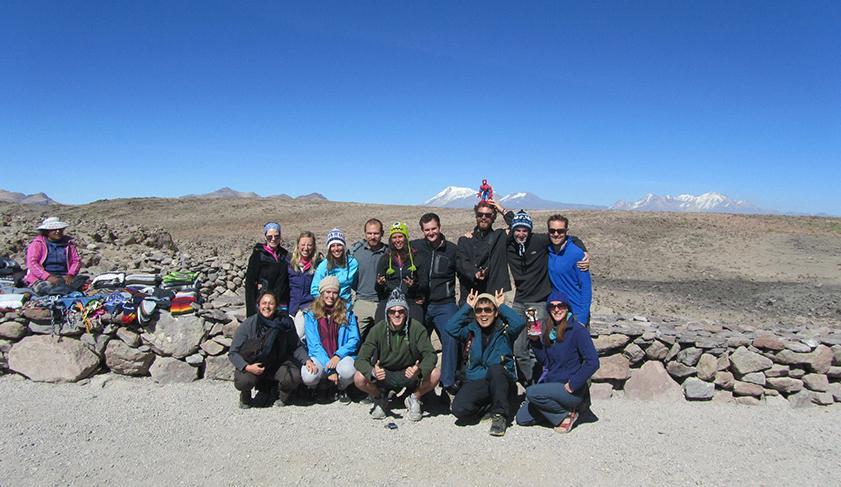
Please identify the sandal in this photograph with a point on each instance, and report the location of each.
(567, 423)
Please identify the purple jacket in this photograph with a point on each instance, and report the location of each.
(299, 290)
(36, 254)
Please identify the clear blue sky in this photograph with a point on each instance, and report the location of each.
(585, 102)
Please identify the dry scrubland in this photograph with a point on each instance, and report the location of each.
(733, 268)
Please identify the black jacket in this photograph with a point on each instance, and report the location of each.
(248, 342)
(272, 274)
(483, 249)
(436, 270)
(395, 280)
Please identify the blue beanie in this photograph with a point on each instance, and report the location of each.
(271, 226)
(522, 219)
(557, 295)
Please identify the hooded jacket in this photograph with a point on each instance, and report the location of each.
(483, 249)
(570, 280)
(346, 275)
(436, 270)
(397, 350)
(271, 272)
(348, 338)
(499, 350)
(573, 360)
(36, 255)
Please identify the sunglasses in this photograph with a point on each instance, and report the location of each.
(481, 214)
(272, 237)
(484, 309)
(397, 311)
(557, 231)
(555, 306)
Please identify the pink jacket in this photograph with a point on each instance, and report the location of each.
(36, 254)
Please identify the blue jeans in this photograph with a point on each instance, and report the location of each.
(548, 400)
(438, 315)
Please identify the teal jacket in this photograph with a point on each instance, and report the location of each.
(500, 349)
(348, 338)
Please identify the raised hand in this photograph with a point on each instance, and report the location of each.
(412, 371)
(379, 372)
(471, 298)
(584, 264)
(500, 297)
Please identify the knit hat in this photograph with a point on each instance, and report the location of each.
(335, 236)
(522, 219)
(271, 226)
(490, 297)
(53, 223)
(329, 282)
(555, 296)
(401, 228)
(396, 299)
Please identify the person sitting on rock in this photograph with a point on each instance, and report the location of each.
(305, 258)
(52, 261)
(267, 355)
(267, 269)
(490, 374)
(397, 354)
(569, 358)
(332, 336)
(338, 263)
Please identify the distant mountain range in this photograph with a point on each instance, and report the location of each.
(460, 197)
(705, 203)
(228, 193)
(26, 199)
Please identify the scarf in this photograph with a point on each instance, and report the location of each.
(271, 251)
(328, 332)
(268, 329)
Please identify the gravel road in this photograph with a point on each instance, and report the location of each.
(116, 430)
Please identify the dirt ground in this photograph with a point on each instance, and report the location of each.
(732, 268)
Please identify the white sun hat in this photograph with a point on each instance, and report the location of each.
(53, 223)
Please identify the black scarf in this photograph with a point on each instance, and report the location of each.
(268, 329)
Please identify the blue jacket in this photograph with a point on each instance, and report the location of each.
(345, 275)
(507, 328)
(348, 339)
(572, 360)
(570, 280)
(299, 290)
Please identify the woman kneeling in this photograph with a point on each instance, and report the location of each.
(267, 355)
(332, 339)
(569, 359)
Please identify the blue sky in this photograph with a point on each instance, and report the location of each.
(584, 102)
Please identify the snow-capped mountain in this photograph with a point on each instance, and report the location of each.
(460, 197)
(707, 202)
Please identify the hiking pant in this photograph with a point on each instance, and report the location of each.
(365, 311)
(497, 390)
(548, 400)
(523, 355)
(396, 380)
(437, 316)
(345, 369)
(287, 376)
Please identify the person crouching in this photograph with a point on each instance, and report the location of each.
(397, 354)
(332, 339)
(267, 355)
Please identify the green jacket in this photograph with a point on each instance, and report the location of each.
(397, 350)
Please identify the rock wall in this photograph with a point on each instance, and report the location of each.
(640, 359)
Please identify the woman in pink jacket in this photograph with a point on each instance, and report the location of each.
(52, 261)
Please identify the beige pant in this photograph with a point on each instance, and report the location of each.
(364, 311)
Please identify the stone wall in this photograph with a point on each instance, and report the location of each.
(640, 359)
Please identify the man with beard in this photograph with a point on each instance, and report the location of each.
(481, 259)
(367, 253)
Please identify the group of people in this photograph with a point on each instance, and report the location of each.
(363, 315)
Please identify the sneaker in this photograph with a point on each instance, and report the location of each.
(261, 399)
(343, 397)
(379, 410)
(367, 401)
(498, 425)
(413, 408)
(245, 399)
(568, 422)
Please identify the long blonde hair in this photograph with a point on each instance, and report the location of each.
(339, 314)
(295, 262)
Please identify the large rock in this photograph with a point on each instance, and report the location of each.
(816, 382)
(822, 398)
(777, 370)
(757, 378)
(835, 390)
(679, 370)
(45, 358)
(212, 347)
(220, 368)
(724, 379)
(179, 336)
(801, 399)
(707, 367)
(697, 389)
(614, 367)
(634, 353)
(818, 360)
(601, 391)
(689, 356)
(607, 343)
(743, 361)
(786, 385)
(836, 354)
(651, 381)
(130, 338)
(747, 389)
(125, 360)
(167, 370)
(768, 342)
(656, 351)
(12, 330)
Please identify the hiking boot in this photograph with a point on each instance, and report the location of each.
(413, 408)
(367, 400)
(261, 399)
(379, 410)
(244, 399)
(498, 425)
(342, 397)
(281, 399)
